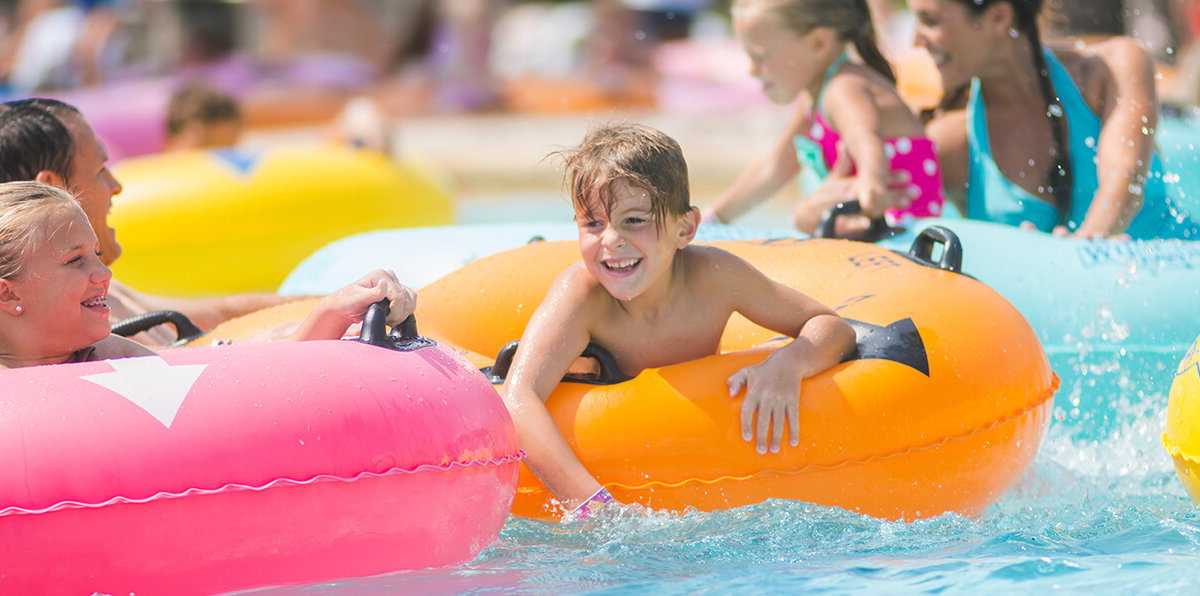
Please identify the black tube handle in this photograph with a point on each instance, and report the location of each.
(374, 325)
(185, 329)
(827, 227)
(952, 252)
(375, 332)
(609, 373)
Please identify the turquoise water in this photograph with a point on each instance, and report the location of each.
(1103, 516)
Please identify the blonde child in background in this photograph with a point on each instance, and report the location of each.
(648, 296)
(823, 53)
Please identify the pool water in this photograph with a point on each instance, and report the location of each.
(1102, 516)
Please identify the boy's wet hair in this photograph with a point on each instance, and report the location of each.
(633, 154)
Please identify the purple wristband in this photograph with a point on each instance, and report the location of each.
(594, 502)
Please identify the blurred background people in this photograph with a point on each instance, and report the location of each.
(201, 117)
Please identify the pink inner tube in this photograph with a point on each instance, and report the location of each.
(206, 470)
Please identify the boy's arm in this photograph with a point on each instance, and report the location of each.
(555, 337)
(773, 386)
(852, 112)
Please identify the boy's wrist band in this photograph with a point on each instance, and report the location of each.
(593, 503)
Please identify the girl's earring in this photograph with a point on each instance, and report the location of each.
(1013, 33)
(20, 309)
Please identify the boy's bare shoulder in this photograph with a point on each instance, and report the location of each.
(576, 285)
(711, 260)
(710, 254)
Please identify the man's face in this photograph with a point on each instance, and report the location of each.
(93, 184)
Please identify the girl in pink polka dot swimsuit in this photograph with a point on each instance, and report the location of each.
(823, 53)
(917, 155)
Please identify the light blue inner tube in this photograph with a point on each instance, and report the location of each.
(420, 256)
(1114, 317)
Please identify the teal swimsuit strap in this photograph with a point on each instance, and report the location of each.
(809, 152)
(832, 70)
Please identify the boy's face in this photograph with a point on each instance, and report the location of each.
(628, 254)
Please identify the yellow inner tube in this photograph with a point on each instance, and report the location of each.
(209, 223)
(1182, 437)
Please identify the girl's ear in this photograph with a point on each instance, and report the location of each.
(822, 40)
(9, 301)
(688, 225)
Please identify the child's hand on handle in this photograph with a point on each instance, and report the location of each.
(872, 194)
(352, 301)
(335, 313)
(773, 392)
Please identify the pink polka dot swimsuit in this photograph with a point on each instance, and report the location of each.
(916, 155)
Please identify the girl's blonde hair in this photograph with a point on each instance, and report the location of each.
(849, 19)
(27, 218)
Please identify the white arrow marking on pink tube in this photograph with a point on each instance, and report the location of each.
(151, 384)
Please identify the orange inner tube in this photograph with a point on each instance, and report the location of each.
(950, 427)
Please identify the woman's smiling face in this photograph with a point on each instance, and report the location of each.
(953, 36)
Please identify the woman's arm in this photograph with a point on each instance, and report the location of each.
(948, 131)
(555, 337)
(1124, 91)
(764, 176)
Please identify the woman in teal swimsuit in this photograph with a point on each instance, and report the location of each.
(1058, 139)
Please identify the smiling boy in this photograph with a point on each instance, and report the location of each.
(644, 293)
